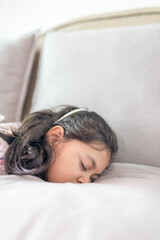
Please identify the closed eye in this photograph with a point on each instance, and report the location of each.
(92, 180)
(83, 167)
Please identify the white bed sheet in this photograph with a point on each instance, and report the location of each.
(123, 204)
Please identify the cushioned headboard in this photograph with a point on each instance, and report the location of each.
(109, 20)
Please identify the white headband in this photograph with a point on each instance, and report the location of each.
(71, 113)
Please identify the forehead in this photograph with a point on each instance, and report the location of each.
(102, 153)
(99, 146)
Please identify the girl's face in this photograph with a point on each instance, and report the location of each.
(74, 161)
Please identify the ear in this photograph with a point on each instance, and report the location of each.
(54, 135)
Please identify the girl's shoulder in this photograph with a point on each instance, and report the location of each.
(5, 128)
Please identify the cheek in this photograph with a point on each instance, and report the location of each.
(65, 168)
(61, 172)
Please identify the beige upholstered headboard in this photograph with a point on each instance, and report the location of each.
(109, 20)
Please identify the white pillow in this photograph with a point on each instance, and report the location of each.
(115, 72)
(123, 204)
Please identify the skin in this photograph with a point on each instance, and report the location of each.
(72, 159)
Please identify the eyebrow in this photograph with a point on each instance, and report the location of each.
(93, 163)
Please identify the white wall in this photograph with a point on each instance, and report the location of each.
(21, 16)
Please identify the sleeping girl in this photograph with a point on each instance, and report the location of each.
(72, 145)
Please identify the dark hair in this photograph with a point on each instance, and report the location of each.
(29, 151)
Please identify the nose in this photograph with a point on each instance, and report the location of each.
(83, 180)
